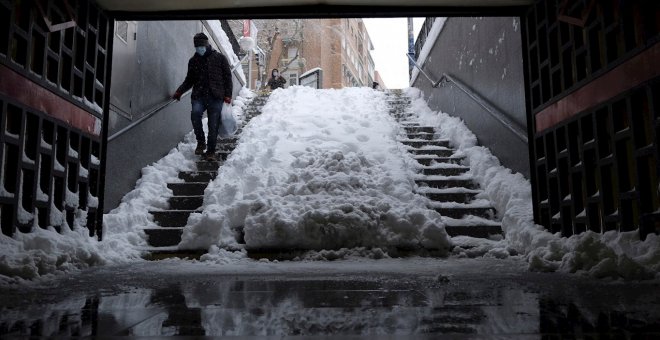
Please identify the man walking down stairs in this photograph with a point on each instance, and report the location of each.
(188, 196)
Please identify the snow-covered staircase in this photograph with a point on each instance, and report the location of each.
(188, 197)
(442, 177)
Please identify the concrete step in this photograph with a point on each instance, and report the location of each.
(460, 212)
(419, 129)
(435, 152)
(198, 176)
(420, 135)
(172, 218)
(445, 171)
(188, 189)
(163, 237)
(479, 231)
(208, 166)
(167, 253)
(429, 161)
(228, 140)
(186, 202)
(398, 101)
(460, 197)
(421, 143)
(226, 146)
(446, 183)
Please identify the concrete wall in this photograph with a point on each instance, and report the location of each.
(485, 54)
(153, 72)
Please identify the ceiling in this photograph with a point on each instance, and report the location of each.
(302, 8)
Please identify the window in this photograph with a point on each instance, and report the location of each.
(293, 79)
(292, 52)
(122, 31)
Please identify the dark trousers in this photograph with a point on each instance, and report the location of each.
(213, 108)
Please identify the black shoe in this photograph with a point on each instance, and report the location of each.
(210, 157)
(201, 146)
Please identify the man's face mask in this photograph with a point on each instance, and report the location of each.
(200, 50)
(275, 74)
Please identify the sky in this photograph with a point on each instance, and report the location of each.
(390, 39)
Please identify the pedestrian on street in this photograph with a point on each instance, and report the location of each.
(276, 80)
(209, 75)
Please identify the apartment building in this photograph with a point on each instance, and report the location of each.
(340, 47)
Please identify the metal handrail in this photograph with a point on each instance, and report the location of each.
(500, 116)
(148, 115)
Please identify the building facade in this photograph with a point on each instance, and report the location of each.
(340, 47)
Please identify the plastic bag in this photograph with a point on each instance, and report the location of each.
(227, 122)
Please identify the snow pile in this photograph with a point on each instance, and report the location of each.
(44, 252)
(318, 169)
(611, 254)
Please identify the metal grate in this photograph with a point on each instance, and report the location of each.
(50, 143)
(594, 168)
(50, 172)
(70, 61)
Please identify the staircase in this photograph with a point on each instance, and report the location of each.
(442, 177)
(188, 196)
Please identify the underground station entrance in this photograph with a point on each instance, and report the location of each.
(532, 127)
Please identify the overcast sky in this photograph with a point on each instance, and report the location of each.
(390, 39)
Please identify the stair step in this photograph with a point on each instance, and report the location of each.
(226, 146)
(172, 218)
(422, 143)
(446, 183)
(435, 152)
(164, 237)
(460, 197)
(198, 176)
(186, 202)
(421, 135)
(162, 254)
(419, 129)
(445, 171)
(188, 189)
(208, 166)
(479, 231)
(429, 161)
(228, 140)
(222, 154)
(460, 212)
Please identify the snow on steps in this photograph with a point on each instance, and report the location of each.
(188, 197)
(445, 181)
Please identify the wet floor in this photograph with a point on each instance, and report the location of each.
(418, 298)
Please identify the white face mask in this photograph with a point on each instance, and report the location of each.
(200, 50)
(275, 74)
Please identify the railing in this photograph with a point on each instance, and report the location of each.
(500, 116)
(163, 105)
(146, 116)
(423, 34)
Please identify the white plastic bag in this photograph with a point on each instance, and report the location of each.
(227, 122)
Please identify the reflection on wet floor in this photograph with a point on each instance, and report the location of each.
(318, 307)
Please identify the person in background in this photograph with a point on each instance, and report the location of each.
(276, 80)
(209, 75)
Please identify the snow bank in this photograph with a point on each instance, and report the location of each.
(611, 254)
(318, 169)
(44, 252)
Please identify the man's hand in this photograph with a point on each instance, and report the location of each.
(176, 96)
(228, 100)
